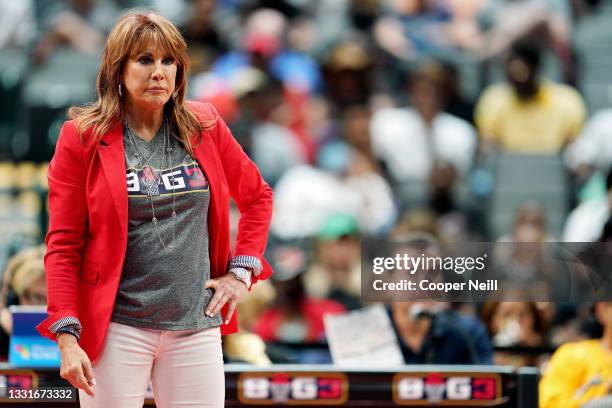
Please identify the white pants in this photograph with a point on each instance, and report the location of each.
(185, 367)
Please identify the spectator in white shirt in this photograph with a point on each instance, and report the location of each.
(585, 223)
(593, 148)
(413, 141)
(17, 23)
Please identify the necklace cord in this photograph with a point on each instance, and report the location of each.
(153, 186)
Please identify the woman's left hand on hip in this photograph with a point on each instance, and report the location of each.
(228, 290)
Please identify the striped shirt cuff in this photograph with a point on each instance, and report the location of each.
(68, 324)
(247, 261)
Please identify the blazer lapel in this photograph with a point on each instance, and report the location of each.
(206, 161)
(112, 156)
(204, 155)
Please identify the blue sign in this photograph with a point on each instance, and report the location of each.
(27, 347)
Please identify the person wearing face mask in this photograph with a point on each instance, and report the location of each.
(514, 324)
(528, 114)
(140, 277)
(433, 332)
(530, 263)
(427, 334)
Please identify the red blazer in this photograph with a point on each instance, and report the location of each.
(88, 218)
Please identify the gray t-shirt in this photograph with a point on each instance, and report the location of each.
(163, 288)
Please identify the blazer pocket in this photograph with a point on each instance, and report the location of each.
(90, 273)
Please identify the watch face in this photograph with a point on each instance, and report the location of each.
(242, 273)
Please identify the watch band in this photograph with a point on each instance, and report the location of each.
(70, 330)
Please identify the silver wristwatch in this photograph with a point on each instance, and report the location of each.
(243, 275)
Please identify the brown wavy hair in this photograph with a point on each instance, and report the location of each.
(130, 35)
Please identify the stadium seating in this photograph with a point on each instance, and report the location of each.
(528, 178)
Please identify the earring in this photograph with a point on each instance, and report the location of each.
(174, 95)
(120, 91)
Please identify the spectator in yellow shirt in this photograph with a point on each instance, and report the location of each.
(529, 115)
(580, 374)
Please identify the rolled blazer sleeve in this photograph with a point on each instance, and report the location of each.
(252, 195)
(67, 228)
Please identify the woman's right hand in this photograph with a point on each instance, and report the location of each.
(75, 365)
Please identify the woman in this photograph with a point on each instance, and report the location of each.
(138, 240)
(515, 324)
(23, 283)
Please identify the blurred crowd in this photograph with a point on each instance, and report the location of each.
(454, 120)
